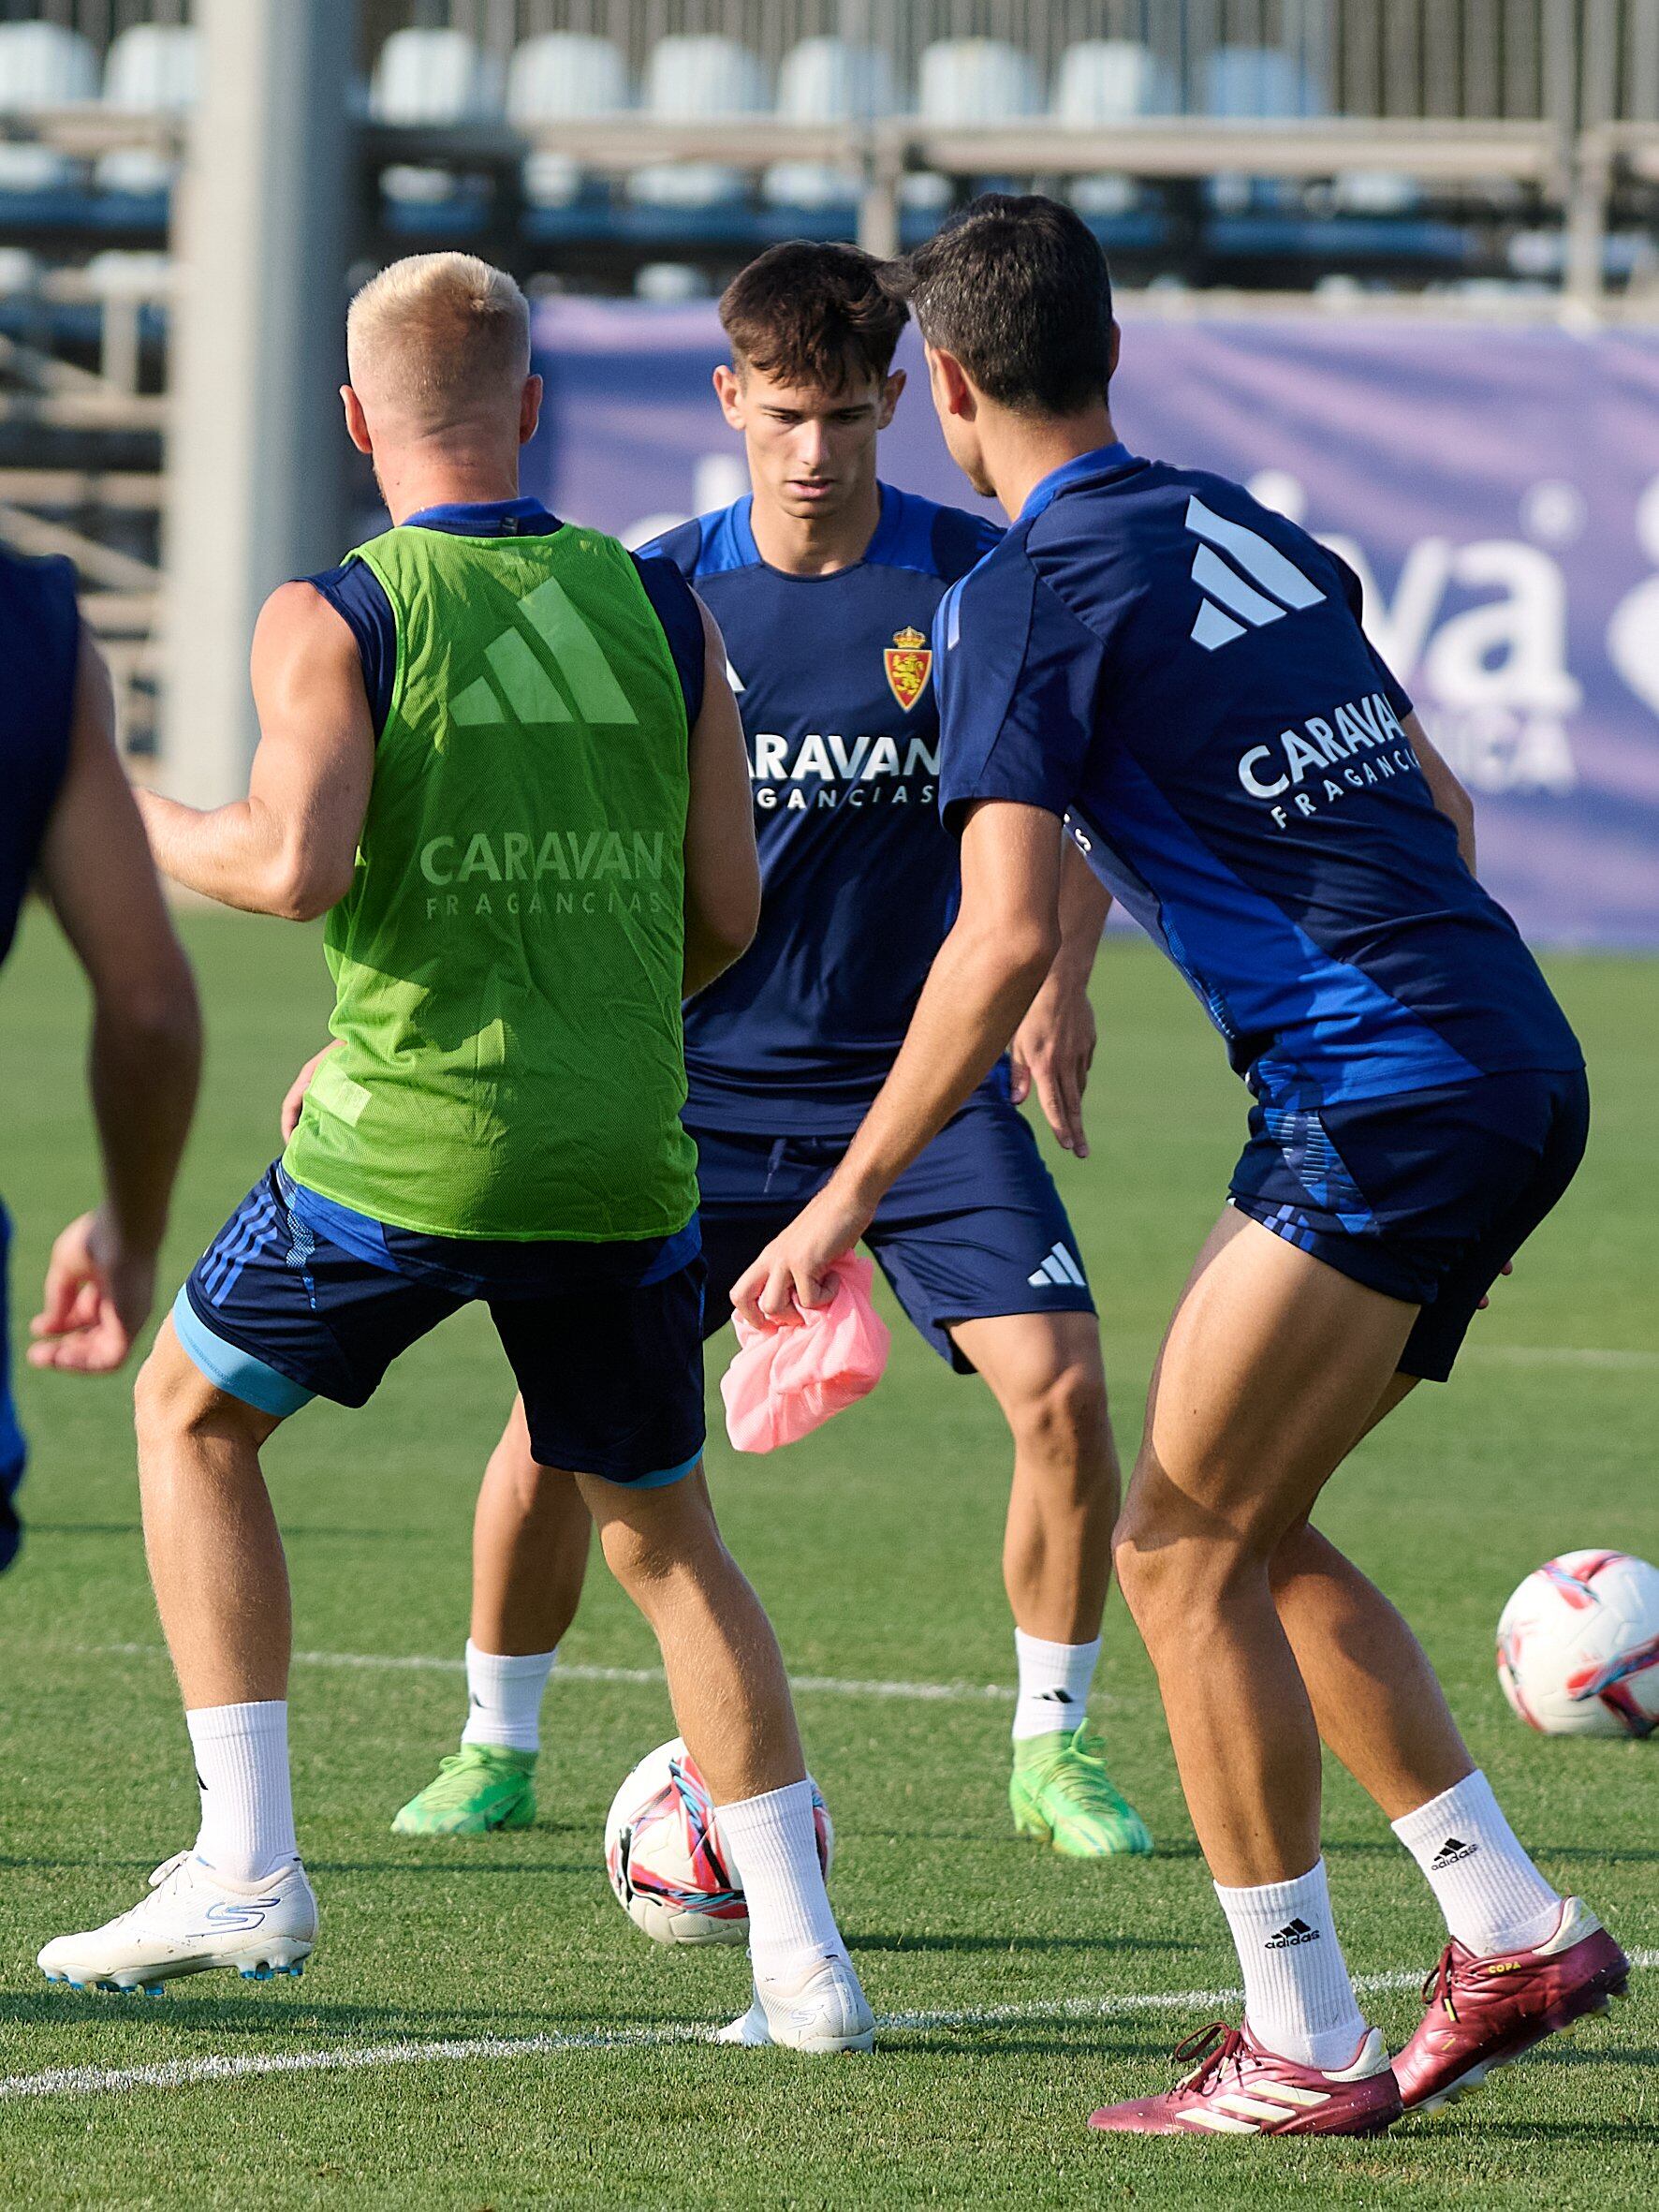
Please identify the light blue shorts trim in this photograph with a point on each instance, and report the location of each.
(662, 1480)
(238, 1372)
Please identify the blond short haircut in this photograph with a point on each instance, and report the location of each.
(439, 339)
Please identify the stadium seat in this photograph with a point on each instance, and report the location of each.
(1255, 84)
(1107, 80)
(550, 80)
(698, 80)
(41, 66)
(965, 81)
(435, 77)
(827, 81)
(431, 77)
(669, 283)
(151, 69)
(968, 81)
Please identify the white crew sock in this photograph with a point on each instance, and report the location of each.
(1054, 1681)
(1492, 1896)
(1299, 2000)
(503, 1697)
(242, 1770)
(771, 1848)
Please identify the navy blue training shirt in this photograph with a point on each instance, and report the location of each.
(1182, 675)
(40, 648)
(834, 678)
(356, 595)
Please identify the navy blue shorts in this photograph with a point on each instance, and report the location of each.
(299, 1298)
(1425, 1198)
(975, 1228)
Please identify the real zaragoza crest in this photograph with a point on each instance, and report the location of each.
(909, 659)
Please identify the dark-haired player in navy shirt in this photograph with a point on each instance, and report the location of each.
(1152, 657)
(825, 584)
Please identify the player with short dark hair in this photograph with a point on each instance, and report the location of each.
(826, 583)
(813, 316)
(1181, 676)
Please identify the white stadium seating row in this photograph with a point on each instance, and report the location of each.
(445, 78)
(149, 70)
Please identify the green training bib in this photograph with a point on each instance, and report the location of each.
(507, 962)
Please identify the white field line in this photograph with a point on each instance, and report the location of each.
(352, 2058)
(832, 1685)
(180, 2074)
(1559, 1356)
(94, 2081)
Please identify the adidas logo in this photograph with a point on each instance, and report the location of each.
(1292, 1933)
(1053, 1697)
(546, 662)
(1058, 1271)
(1228, 595)
(1453, 1850)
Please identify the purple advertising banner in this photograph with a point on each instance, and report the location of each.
(1496, 487)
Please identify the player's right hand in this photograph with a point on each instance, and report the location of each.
(298, 1088)
(792, 1275)
(98, 1298)
(1052, 1052)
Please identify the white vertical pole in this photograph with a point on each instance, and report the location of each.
(255, 462)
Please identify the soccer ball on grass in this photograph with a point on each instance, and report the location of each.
(664, 1856)
(1578, 1647)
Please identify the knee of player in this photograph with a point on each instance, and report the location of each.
(1172, 1561)
(1063, 1418)
(168, 1393)
(537, 1491)
(643, 1556)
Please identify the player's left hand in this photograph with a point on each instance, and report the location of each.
(792, 1275)
(1052, 1052)
(98, 1298)
(295, 1099)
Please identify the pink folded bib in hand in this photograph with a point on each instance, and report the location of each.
(784, 1383)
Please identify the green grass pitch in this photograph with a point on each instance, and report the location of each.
(877, 1546)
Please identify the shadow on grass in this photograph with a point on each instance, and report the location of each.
(1588, 1856)
(1015, 1945)
(459, 1863)
(1083, 2043)
(277, 2018)
(851, 1829)
(1560, 2054)
(1599, 2134)
(60, 1864)
(383, 1535)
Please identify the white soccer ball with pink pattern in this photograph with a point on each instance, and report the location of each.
(1578, 1647)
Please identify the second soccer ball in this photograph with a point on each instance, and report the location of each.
(1578, 1647)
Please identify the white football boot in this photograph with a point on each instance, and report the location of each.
(193, 1919)
(822, 2010)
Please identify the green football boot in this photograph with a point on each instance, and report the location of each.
(1061, 1791)
(477, 1789)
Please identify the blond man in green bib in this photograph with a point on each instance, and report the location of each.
(499, 753)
